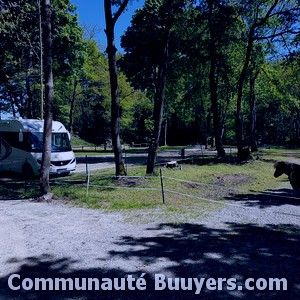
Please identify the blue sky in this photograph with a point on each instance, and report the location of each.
(91, 12)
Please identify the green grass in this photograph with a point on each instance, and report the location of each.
(18, 189)
(141, 196)
(173, 147)
(277, 154)
(92, 153)
(216, 181)
(76, 141)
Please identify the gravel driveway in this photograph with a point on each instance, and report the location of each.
(259, 238)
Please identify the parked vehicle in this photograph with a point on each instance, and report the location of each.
(21, 144)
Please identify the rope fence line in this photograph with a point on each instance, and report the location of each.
(86, 183)
(123, 187)
(107, 186)
(216, 186)
(231, 188)
(156, 189)
(207, 184)
(192, 157)
(208, 200)
(163, 190)
(183, 158)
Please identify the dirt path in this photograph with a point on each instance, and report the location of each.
(259, 238)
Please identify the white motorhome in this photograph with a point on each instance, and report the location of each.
(21, 143)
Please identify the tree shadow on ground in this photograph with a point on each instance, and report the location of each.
(277, 197)
(186, 250)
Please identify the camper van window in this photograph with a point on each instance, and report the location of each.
(60, 142)
(36, 141)
(33, 141)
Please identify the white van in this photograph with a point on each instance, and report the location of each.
(21, 142)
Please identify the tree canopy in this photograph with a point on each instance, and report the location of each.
(230, 72)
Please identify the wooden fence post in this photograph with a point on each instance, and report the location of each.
(162, 186)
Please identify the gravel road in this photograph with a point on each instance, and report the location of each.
(97, 162)
(259, 238)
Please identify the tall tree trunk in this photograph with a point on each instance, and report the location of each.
(208, 129)
(11, 100)
(242, 78)
(115, 102)
(72, 103)
(20, 104)
(225, 107)
(297, 126)
(41, 62)
(213, 85)
(166, 129)
(159, 99)
(201, 123)
(49, 97)
(29, 98)
(253, 140)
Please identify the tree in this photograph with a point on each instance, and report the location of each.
(220, 18)
(20, 53)
(212, 40)
(278, 102)
(160, 84)
(145, 62)
(87, 102)
(266, 20)
(110, 20)
(49, 96)
(252, 96)
(91, 112)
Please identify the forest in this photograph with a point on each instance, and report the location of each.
(214, 72)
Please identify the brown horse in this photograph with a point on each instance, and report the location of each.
(293, 173)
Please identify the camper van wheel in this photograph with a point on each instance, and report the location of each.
(27, 171)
